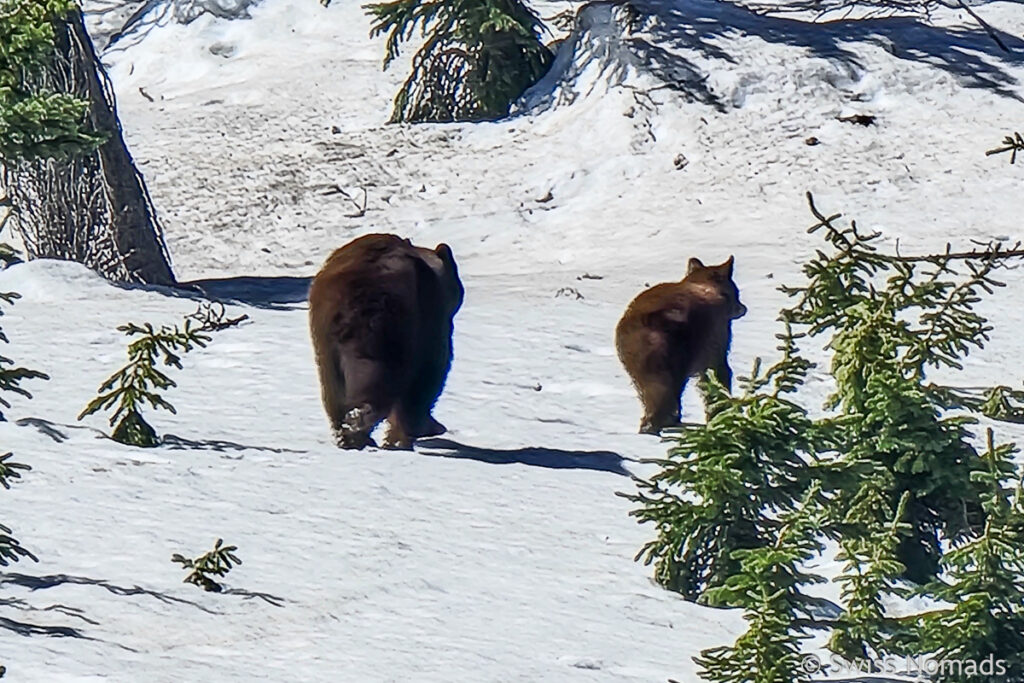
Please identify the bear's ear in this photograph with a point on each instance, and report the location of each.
(446, 255)
(727, 266)
(693, 265)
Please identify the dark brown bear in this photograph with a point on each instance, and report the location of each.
(677, 330)
(381, 317)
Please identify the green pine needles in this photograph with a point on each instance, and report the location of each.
(766, 584)
(891, 471)
(36, 123)
(478, 58)
(11, 549)
(11, 377)
(984, 581)
(216, 563)
(139, 383)
(711, 496)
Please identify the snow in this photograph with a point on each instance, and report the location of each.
(497, 552)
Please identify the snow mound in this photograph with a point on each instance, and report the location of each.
(48, 280)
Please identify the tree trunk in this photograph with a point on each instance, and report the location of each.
(92, 208)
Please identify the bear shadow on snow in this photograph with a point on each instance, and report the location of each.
(536, 456)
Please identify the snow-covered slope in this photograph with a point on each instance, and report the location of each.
(499, 551)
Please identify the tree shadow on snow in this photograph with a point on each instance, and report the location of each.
(179, 443)
(675, 48)
(281, 293)
(35, 583)
(23, 628)
(272, 292)
(551, 458)
(174, 442)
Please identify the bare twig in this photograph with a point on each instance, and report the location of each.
(1012, 144)
(360, 206)
(213, 317)
(981, 22)
(992, 252)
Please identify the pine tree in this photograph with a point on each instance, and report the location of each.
(724, 483)
(767, 585)
(11, 549)
(984, 581)
(216, 563)
(891, 318)
(870, 573)
(36, 124)
(478, 58)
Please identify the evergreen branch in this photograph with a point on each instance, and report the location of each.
(216, 563)
(11, 549)
(139, 382)
(9, 470)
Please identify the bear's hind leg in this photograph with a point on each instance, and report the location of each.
(660, 397)
(425, 389)
(401, 429)
(369, 397)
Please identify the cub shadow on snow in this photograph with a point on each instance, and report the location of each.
(665, 48)
(551, 458)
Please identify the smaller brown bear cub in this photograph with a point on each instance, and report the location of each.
(381, 314)
(677, 330)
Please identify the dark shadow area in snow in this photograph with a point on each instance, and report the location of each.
(45, 427)
(968, 53)
(535, 456)
(673, 42)
(35, 583)
(274, 600)
(283, 292)
(18, 603)
(25, 629)
(179, 443)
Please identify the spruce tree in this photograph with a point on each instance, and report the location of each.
(34, 123)
(891, 468)
(11, 549)
(139, 383)
(478, 58)
(890, 319)
(215, 563)
(984, 581)
(724, 483)
(64, 166)
(870, 573)
(767, 585)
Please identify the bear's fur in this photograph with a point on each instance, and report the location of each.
(677, 330)
(381, 314)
